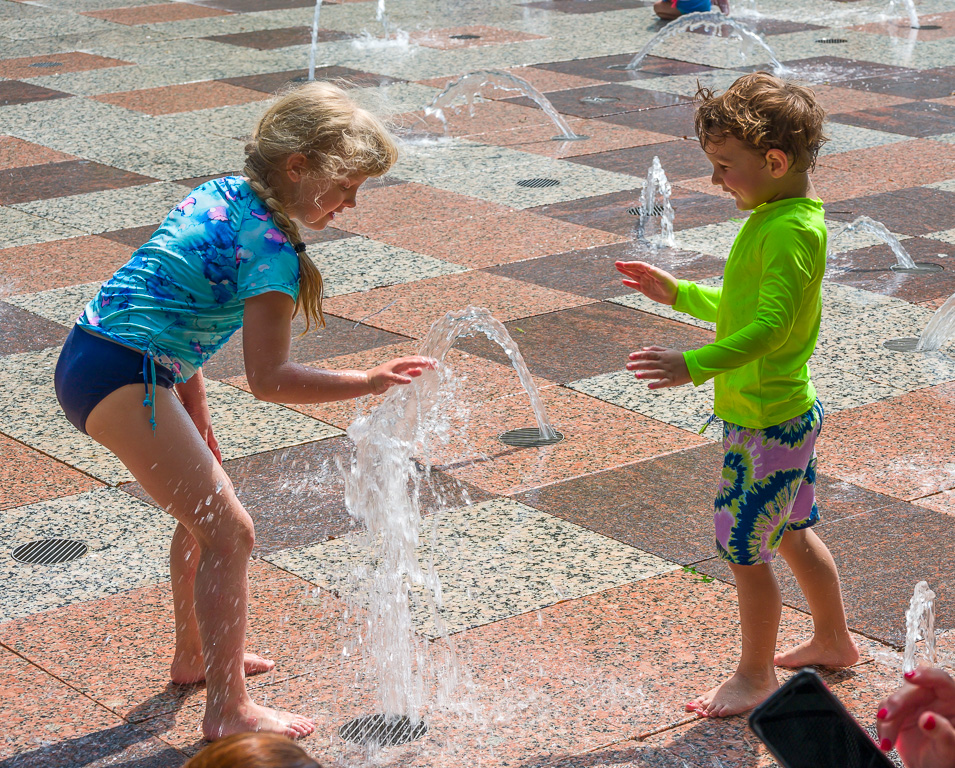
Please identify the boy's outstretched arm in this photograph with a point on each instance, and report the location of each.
(652, 282)
(664, 367)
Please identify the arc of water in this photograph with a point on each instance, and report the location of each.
(865, 224)
(468, 86)
(920, 625)
(709, 21)
(311, 53)
(939, 329)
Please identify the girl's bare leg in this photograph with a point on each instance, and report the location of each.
(176, 468)
(811, 562)
(760, 607)
(187, 664)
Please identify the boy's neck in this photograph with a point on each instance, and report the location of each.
(792, 185)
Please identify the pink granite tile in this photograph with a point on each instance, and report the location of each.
(901, 165)
(835, 99)
(940, 502)
(597, 436)
(183, 98)
(410, 309)
(384, 209)
(117, 650)
(900, 447)
(56, 264)
(28, 476)
(55, 64)
(155, 14)
(480, 119)
(948, 101)
(901, 29)
(498, 239)
(17, 153)
(601, 137)
(542, 79)
(469, 37)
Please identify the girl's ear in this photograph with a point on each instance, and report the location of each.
(295, 167)
(778, 162)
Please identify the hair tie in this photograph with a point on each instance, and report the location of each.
(299, 247)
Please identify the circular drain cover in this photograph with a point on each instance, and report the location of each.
(905, 344)
(538, 183)
(832, 40)
(528, 437)
(655, 210)
(929, 26)
(920, 266)
(382, 730)
(45, 64)
(49, 551)
(464, 37)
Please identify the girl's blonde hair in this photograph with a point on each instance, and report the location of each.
(337, 137)
(765, 112)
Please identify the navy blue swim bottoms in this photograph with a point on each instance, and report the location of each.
(91, 367)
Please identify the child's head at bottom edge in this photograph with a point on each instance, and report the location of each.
(253, 750)
(764, 112)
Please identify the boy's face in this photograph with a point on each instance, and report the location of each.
(742, 171)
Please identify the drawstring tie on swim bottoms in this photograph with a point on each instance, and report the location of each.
(150, 401)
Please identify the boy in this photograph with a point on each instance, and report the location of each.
(761, 137)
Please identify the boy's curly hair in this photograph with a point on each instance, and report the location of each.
(765, 112)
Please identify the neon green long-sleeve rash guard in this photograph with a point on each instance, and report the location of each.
(767, 316)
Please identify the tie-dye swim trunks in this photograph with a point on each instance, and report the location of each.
(767, 488)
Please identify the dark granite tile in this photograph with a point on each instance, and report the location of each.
(270, 39)
(598, 101)
(922, 84)
(676, 120)
(15, 92)
(611, 69)
(344, 76)
(914, 211)
(338, 337)
(837, 69)
(870, 269)
(693, 209)
(133, 237)
(591, 272)
(914, 118)
(22, 331)
(72, 177)
(680, 160)
(601, 336)
(123, 746)
(881, 555)
(765, 26)
(296, 496)
(587, 6)
(606, 212)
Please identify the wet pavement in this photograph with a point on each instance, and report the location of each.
(582, 593)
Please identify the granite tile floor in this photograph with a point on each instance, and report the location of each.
(582, 603)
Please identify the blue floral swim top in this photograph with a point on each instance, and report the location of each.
(180, 296)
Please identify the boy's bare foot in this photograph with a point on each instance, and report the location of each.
(814, 653)
(736, 695)
(189, 671)
(253, 717)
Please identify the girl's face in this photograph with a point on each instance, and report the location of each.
(317, 201)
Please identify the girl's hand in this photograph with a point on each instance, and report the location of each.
(203, 423)
(652, 282)
(401, 370)
(917, 719)
(192, 393)
(665, 367)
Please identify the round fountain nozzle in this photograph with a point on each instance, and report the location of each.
(382, 730)
(528, 437)
(904, 344)
(920, 266)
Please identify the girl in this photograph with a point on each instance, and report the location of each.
(229, 255)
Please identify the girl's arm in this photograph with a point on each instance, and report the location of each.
(266, 341)
(192, 393)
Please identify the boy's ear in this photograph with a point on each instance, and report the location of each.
(778, 162)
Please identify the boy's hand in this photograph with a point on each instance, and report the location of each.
(665, 367)
(401, 370)
(652, 282)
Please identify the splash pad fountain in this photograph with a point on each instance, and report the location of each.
(939, 330)
(904, 262)
(468, 88)
(382, 491)
(649, 210)
(920, 636)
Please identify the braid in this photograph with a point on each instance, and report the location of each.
(310, 286)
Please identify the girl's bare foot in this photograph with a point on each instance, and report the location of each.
(188, 671)
(253, 717)
(734, 696)
(814, 653)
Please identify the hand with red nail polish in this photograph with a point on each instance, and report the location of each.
(919, 720)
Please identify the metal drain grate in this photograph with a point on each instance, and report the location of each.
(655, 210)
(905, 344)
(538, 183)
(528, 437)
(599, 99)
(832, 40)
(929, 26)
(50, 551)
(382, 730)
(44, 64)
(464, 37)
